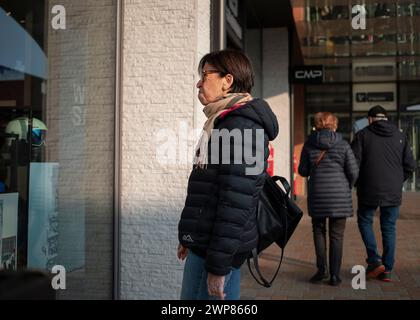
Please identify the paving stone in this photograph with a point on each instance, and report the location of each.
(299, 265)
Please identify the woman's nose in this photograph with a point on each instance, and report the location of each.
(199, 83)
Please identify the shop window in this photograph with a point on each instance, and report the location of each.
(410, 124)
(331, 98)
(56, 142)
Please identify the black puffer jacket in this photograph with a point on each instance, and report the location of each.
(218, 221)
(329, 184)
(386, 160)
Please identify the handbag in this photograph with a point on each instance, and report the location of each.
(277, 219)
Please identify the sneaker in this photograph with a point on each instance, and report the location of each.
(385, 276)
(375, 269)
(319, 276)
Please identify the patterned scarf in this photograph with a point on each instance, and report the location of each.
(212, 111)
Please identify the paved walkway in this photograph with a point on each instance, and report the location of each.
(299, 265)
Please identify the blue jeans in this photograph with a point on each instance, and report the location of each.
(194, 282)
(388, 219)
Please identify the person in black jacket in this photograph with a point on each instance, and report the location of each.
(386, 161)
(217, 229)
(330, 164)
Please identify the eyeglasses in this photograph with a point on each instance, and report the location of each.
(206, 72)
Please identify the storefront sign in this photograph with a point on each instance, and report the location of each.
(374, 96)
(307, 74)
(366, 95)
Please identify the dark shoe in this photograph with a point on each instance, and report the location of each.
(335, 280)
(385, 276)
(375, 269)
(319, 276)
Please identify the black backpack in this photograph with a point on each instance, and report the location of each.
(277, 219)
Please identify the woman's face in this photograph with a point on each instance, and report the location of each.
(212, 85)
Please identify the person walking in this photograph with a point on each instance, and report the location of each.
(218, 229)
(329, 163)
(386, 161)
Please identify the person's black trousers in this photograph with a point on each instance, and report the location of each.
(336, 228)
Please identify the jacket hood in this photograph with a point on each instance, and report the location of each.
(383, 128)
(259, 111)
(324, 139)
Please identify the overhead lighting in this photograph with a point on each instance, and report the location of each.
(22, 21)
(9, 13)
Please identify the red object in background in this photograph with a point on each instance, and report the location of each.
(270, 161)
(295, 173)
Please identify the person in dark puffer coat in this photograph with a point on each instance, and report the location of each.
(217, 229)
(329, 191)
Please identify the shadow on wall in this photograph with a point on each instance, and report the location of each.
(150, 268)
(26, 285)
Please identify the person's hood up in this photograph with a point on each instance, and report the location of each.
(383, 128)
(259, 111)
(324, 139)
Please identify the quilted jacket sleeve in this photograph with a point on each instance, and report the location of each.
(304, 163)
(357, 147)
(239, 187)
(350, 166)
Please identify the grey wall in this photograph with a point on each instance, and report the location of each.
(272, 84)
(163, 42)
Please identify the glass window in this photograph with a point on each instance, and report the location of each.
(409, 9)
(380, 10)
(329, 13)
(410, 124)
(331, 98)
(410, 96)
(337, 73)
(409, 69)
(57, 140)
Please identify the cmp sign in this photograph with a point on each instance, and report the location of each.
(307, 74)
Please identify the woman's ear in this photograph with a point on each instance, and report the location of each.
(227, 82)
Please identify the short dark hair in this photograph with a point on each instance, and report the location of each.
(231, 62)
(377, 112)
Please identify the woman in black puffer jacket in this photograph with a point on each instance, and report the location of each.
(329, 163)
(217, 229)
